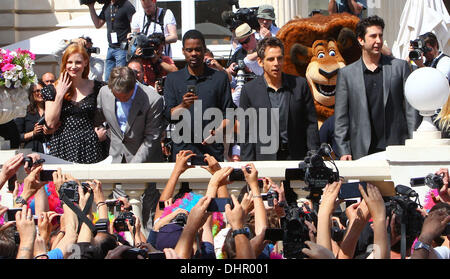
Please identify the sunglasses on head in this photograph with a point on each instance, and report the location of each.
(245, 41)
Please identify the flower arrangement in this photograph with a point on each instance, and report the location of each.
(16, 68)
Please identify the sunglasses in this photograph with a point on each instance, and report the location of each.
(245, 41)
(37, 91)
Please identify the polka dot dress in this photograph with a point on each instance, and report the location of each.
(76, 140)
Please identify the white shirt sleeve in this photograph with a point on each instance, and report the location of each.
(442, 252)
(136, 21)
(254, 66)
(169, 18)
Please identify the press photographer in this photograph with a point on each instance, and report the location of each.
(117, 15)
(151, 19)
(149, 50)
(427, 45)
(96, 65)
(242, 15)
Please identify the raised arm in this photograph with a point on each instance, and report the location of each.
(53, 107)
(326, 208)
(180, 167)
(98, 22)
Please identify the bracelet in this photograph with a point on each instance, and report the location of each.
(41, 255)
(100, 204)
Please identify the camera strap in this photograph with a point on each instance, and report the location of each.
(82, 218)
(403, 240)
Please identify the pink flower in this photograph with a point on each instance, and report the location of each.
(7, 67)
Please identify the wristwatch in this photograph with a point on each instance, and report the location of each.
(244, 230)
(421, 245)
(20, 200)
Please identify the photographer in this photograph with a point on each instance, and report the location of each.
(117, 15)
(152, 19)
(156, 65)
(427, 46)
(266, 18)
(96, 65)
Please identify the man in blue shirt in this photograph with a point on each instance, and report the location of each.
(134, 113)
(354, 7)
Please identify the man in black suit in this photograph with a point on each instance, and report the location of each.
(289, 104)
(371, 111)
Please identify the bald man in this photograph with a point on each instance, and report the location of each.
(48, 78)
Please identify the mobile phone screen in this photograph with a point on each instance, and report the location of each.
(156, 256)
(351, 190)
(218, 204)
(161, 205)
(46, 175)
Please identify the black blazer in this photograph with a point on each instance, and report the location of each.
(25, 125)
(303, 134)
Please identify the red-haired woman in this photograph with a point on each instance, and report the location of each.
(70, 107)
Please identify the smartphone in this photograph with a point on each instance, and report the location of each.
(46, 175)
(198, 160)
(192, 89)
(237, 175)
(351, 190)
(156, 256)
(218, 204)
(273, 234)
(11, 214)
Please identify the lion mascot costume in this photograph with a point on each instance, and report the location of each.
(316, 48)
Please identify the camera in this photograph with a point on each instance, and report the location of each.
(270, 196)
(419, 48)
(87, 2)
(69, 189)
(180, 219)
(433, 181)
(295, 231)
(242, 15)
(120, 224)
(149, 45)
(160, 88)
(95, 50)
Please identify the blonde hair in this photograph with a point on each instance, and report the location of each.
(73, 49)
(443, 117)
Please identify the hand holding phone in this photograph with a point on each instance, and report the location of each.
(351, 190)
(218, 204)
(197, 160)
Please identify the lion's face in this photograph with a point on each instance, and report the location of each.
(321, 72)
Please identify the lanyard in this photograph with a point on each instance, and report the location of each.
(114, 9)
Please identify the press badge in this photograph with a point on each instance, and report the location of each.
(114, 38)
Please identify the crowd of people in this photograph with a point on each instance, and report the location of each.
(148, 110)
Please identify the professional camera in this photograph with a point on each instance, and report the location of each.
(69, 189)
(149, 45)
(120, 224)
(95, 50)
(419, 48)
(244, 15)
(87, 2)
(242, 76)
(409, 220)
(295, 231)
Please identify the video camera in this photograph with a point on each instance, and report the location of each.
(149, 45)
(87, 2)
(434, 181)
(419, 48)
(244, 15)
(120, 224)
(242, 77)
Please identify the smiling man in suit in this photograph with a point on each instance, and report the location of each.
(134, 114)
(371, 111)
(290, 95)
